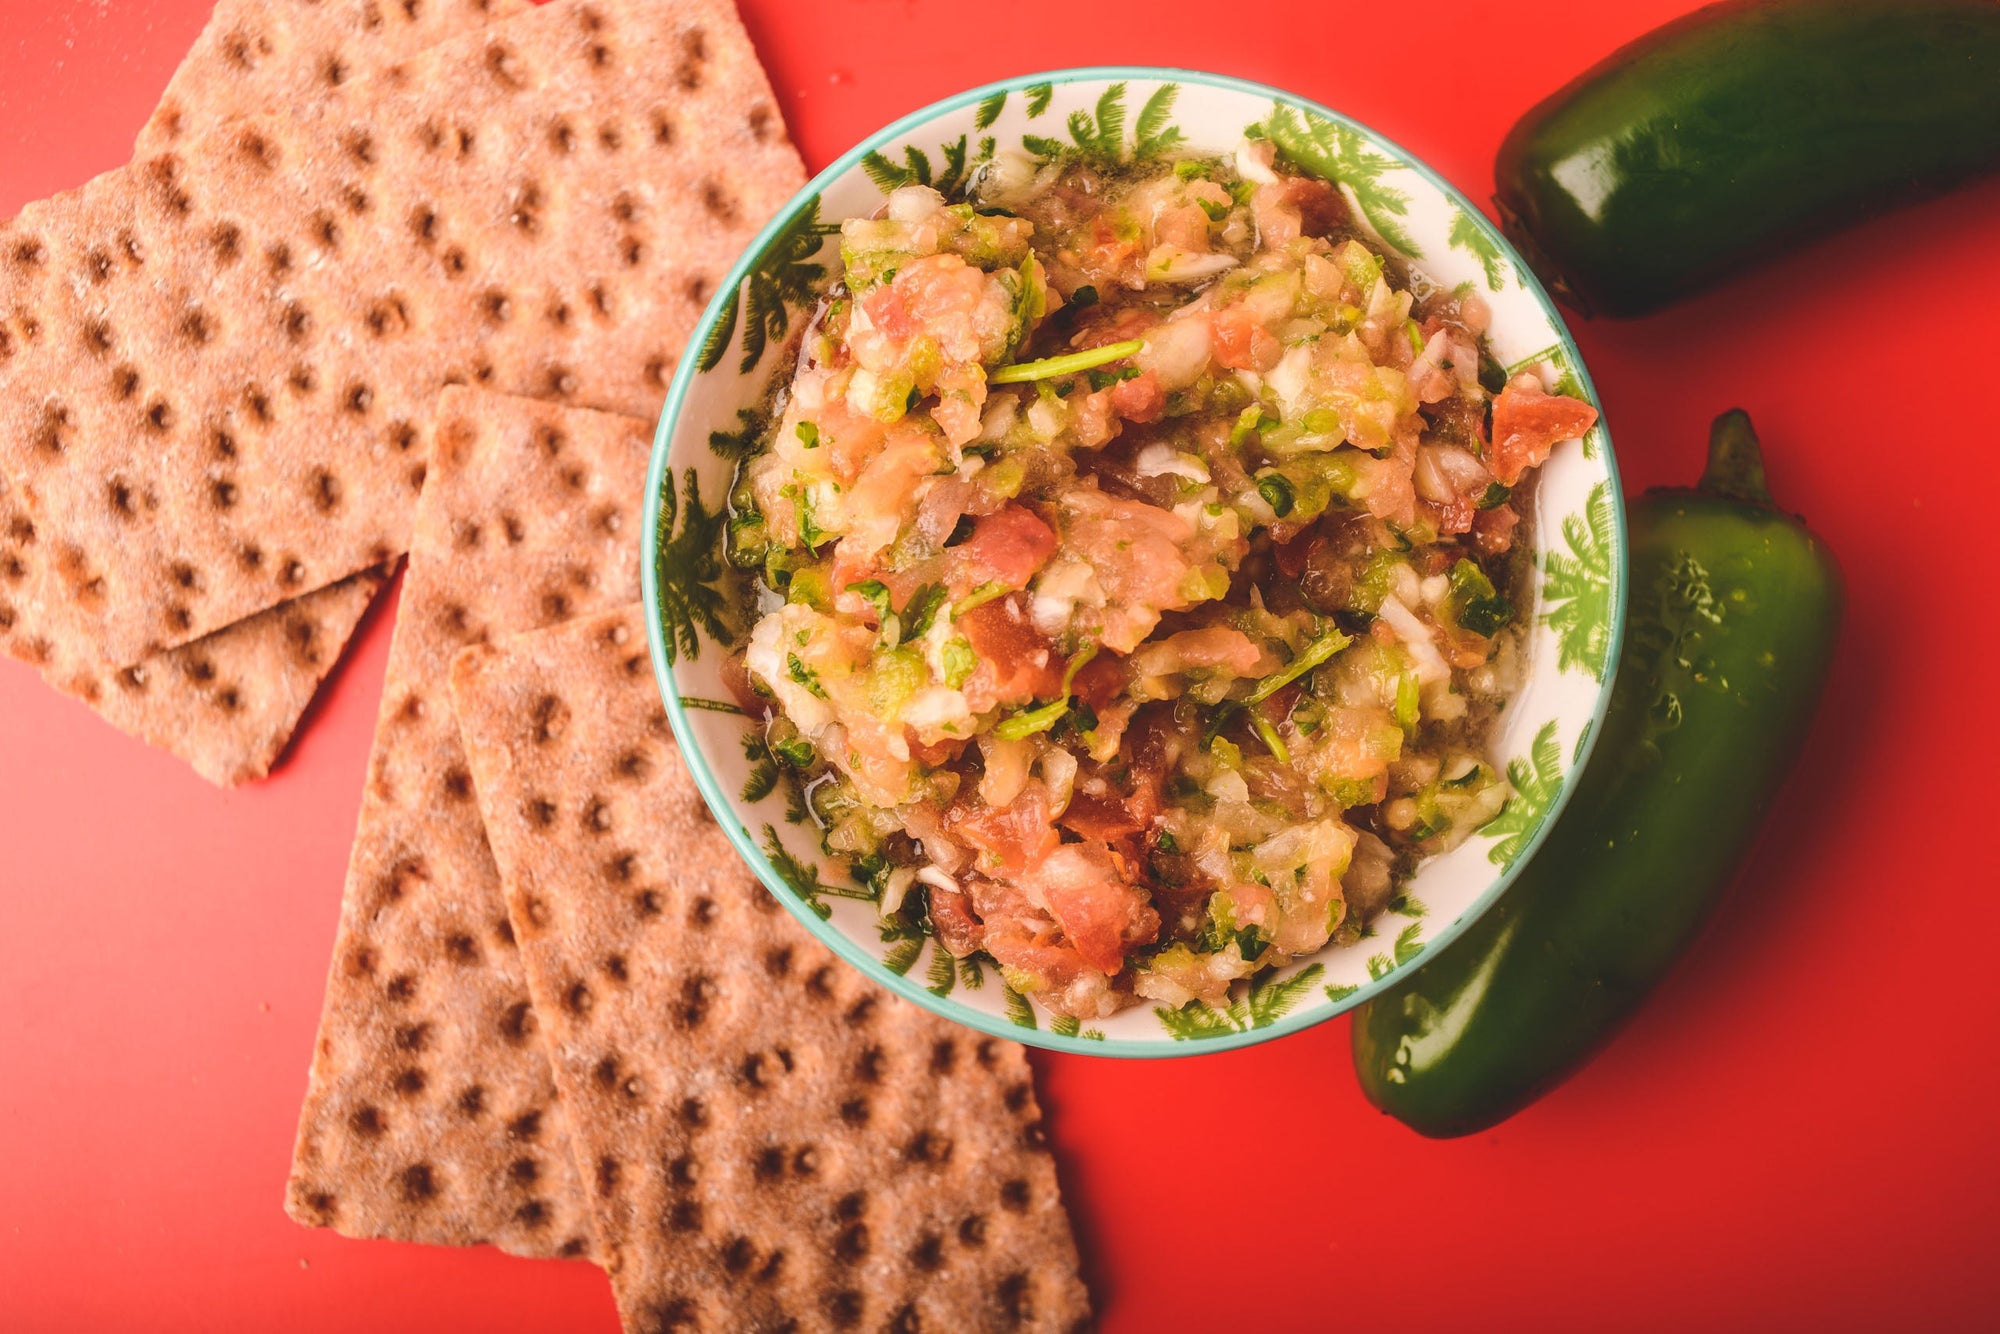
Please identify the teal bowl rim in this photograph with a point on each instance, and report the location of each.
(719, 800)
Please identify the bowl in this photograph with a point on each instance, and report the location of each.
(1541, 738)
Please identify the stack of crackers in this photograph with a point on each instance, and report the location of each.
(408, 278)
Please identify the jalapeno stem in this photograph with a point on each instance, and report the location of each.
(1735, 460)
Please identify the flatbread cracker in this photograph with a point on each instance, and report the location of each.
(770, 1141)
(228, 703)
(430, 1114)
(258, 54)
(217, 365)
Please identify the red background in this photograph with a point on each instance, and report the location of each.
(1797, 1134)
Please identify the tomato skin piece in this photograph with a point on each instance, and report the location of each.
(1528, 422)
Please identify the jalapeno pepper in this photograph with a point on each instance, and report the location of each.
(1740, 130)
(1734, 611)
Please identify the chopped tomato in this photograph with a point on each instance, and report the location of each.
(1100, 911)
(1016, 663)
(1012, 837)
(1242, 344)
(1216, 646)
(957, 929)
(1292, 556)
(1100, 817)
(1007, 547)
(1321, 208)
(1108, 253)
(1034, 945)
(1139, 399)
(1098, 681)
(1103, 327)
(1528, 422)
(1493, 530)
(890, 312)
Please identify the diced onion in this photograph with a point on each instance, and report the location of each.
(895, 888)
(1160, 459)
(914, 203)
(1416, 637)
(1176, 352)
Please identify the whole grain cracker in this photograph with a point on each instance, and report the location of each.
(227, 703)
(430, 1113)
(770, 1141)
(259, 54)
(217, 365)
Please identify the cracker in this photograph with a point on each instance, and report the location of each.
(228, 703)
(217, 365)
(430, 1113)
(257, 54)
(768, 1138)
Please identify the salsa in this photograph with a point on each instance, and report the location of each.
(1135, 554)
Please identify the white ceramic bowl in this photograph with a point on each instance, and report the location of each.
(1541, 739)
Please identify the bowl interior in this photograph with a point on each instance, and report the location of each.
(712, 418)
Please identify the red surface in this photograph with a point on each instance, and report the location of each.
(1796, 1135)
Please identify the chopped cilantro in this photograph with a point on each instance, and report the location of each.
(1311, 656)
(1076, 664)
(1487, 616)
(877, 594)
(1048, 368)
(980, 596)
(1494, 496)
(808, 435)
(795, 751)
(921, 610)
(1268, 734)
(1028, 722)
(804, 675)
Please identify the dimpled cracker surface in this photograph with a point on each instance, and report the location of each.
(228, 703)
(769, 1140)
(218, 365)
(430, 1114)
(257, 54)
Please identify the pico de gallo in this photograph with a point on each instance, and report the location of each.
(1136, 553)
